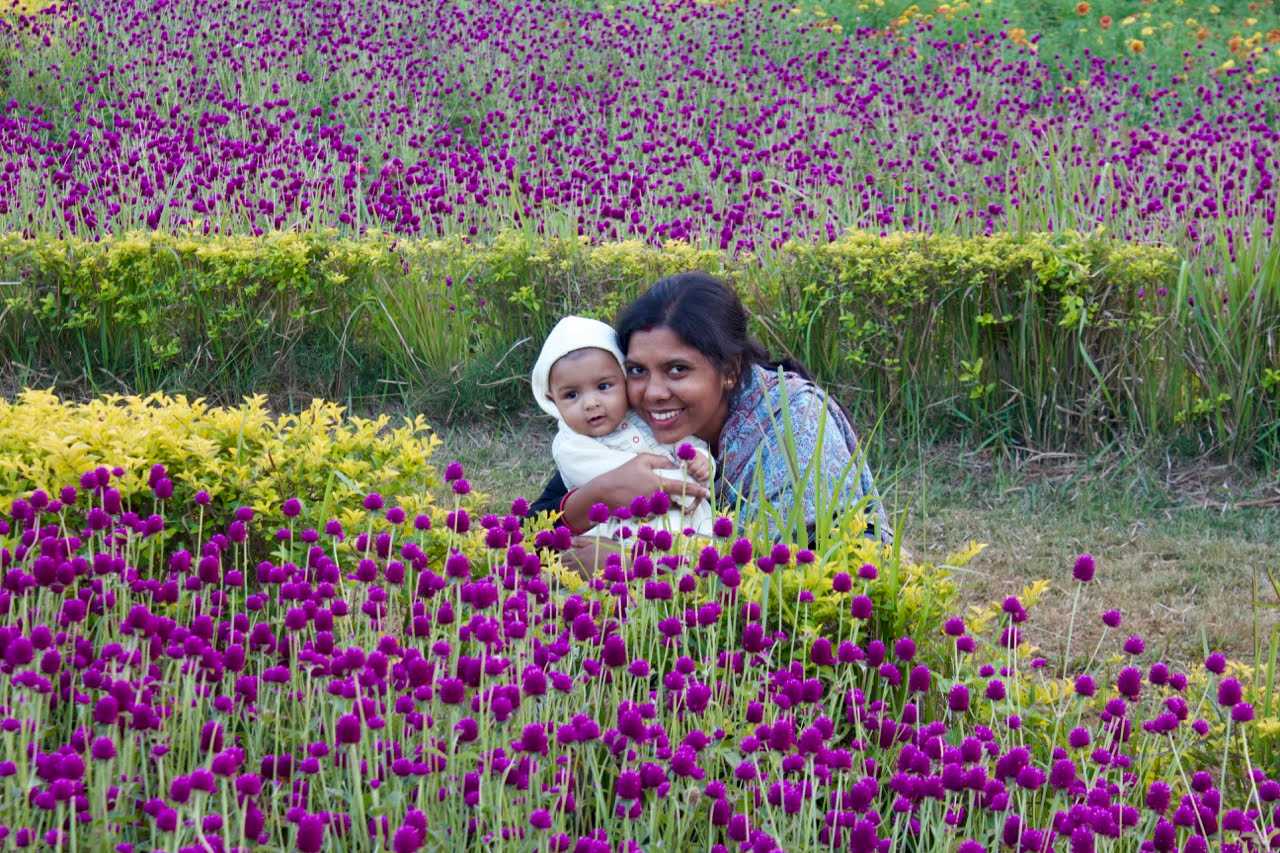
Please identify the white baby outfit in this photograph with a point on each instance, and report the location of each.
(582, 458)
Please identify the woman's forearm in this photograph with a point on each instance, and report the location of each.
(577, 505)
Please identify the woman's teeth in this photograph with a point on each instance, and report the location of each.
(665, 416)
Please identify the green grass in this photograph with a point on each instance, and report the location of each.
(1179, 545)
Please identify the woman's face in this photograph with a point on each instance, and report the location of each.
(675, 388)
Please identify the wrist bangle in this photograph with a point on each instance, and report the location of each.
(564, 500)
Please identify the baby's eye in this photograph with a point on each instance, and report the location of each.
(605, 386)
(569, 395)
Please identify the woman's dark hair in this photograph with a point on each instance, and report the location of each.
(708, 315)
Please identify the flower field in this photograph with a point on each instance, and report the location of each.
(404, 672)
(737, 125)
(284, 626)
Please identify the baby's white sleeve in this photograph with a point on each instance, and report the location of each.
(582, 458)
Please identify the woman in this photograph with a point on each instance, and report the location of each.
(692, 369)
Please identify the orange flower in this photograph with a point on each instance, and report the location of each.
(1136, 46)
(1273, 36)
(1018, 35)
(1105, 22)
(1082, 8)
(1233, 44)
(1202, 34)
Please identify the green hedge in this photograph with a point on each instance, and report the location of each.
(1049, 340)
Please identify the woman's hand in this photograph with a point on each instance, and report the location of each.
(640, 477)
(621, 485)
(699, 468)
(587, 555)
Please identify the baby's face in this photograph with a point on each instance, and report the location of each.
(588, 389)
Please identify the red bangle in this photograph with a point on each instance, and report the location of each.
(565, 499)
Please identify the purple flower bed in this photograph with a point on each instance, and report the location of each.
(220, 686)
(737, 126)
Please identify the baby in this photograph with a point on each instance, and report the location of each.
(579, 380)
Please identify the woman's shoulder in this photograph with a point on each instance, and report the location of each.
(776, 389)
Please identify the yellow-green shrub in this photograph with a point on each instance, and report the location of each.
(242, 455)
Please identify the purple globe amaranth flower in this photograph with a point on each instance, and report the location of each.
(406, 840)
(103, 748)
(1242, 712)
(958, 698)
(453, 471)
(1111, 618)
(310, 834)
(861, 607)
(1129, 683)
(291, 508)
(1158, 796)
(1230, 692)
(919, 679)
(1085, 686)
(821, 653)
(347, 729)
(1158, 674)
(1084, 569)
(1134, 645)
(722, 527)
(868, 572)
(1216, 663)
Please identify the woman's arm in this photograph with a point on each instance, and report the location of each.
(620, 486)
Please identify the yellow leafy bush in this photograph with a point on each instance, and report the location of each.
(241, 455)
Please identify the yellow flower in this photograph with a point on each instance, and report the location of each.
(1148, 31)
(1214, 9)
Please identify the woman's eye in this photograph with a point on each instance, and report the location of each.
(677, 369)
(635, 371)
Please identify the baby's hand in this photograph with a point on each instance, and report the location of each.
(699, 467)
